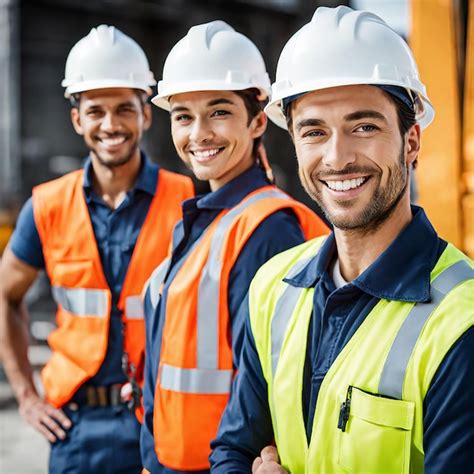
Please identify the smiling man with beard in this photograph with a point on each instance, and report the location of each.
(98, 232)
(358, 356)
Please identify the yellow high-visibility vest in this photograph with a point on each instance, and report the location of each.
(369, 413)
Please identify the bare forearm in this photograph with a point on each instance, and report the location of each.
(14, 339)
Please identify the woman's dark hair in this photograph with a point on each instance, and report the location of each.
(254, 106)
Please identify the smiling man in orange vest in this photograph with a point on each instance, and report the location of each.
(99, 232)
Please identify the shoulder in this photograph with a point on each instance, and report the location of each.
(25, 242)
(54, 194)
(51, 188)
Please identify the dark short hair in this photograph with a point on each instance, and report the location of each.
(254, 106)
(406, 115)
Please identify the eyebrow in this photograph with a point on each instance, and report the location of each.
(179, 108)
(220, 101)
(211, 103)
(100, 106)
(363, 114)
(309, 123)
(353, 116)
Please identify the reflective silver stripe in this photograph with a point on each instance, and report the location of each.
(283, 310)
(393, 374)
(204, 381)
(134, 307)
(209, 286)
(156, 280)
(159, 274)
(81, 301)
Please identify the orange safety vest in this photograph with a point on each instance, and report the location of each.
(196, 370)
(78, 283)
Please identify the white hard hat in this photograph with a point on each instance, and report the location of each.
(341, 47)
(106, 58)
(212, 56)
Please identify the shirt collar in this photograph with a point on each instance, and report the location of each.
(234, 191)
(146, 179)
(401, 273)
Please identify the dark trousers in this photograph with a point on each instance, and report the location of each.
(102, 440)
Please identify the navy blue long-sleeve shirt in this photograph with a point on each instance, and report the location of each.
(401, 273)
(276, 233)
(116, 232)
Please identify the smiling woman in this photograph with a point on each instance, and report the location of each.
(212, 134)
(215, 85)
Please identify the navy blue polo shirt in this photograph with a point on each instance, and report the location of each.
(401, 273)
(278, 232)
(116, 232)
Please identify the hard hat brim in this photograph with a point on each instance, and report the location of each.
(276, 115)
(162, 98)
(108, 84)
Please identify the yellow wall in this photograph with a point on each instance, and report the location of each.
(433, 41)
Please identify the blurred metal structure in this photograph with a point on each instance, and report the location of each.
(49, 28)
(9, 99)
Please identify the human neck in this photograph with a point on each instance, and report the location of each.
(244, 165)
(112, 183)
(357, 250)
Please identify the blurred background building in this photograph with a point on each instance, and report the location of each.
(38, 143)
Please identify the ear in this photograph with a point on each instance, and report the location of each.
(412, 143)
(147, 116)
(76, 121)
(258, 125)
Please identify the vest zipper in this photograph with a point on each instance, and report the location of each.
(345, 410)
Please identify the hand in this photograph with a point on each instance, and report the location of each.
(46, 419)
(267, 463)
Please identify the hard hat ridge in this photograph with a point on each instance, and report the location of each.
(103, 34)
(198, 36)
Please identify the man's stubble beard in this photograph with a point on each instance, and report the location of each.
(118, 163)
(381, 206)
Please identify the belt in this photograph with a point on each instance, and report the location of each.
(97, 396)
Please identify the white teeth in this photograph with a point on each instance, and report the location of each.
(346, 184)
(113, 141)
(206, 153)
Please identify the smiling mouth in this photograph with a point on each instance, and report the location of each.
(113, 141)
(346, 184)
(206, 155)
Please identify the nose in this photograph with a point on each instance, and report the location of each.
(109, 122)
(339, 152)
(201, 131)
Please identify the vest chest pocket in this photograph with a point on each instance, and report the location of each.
(375, 436)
